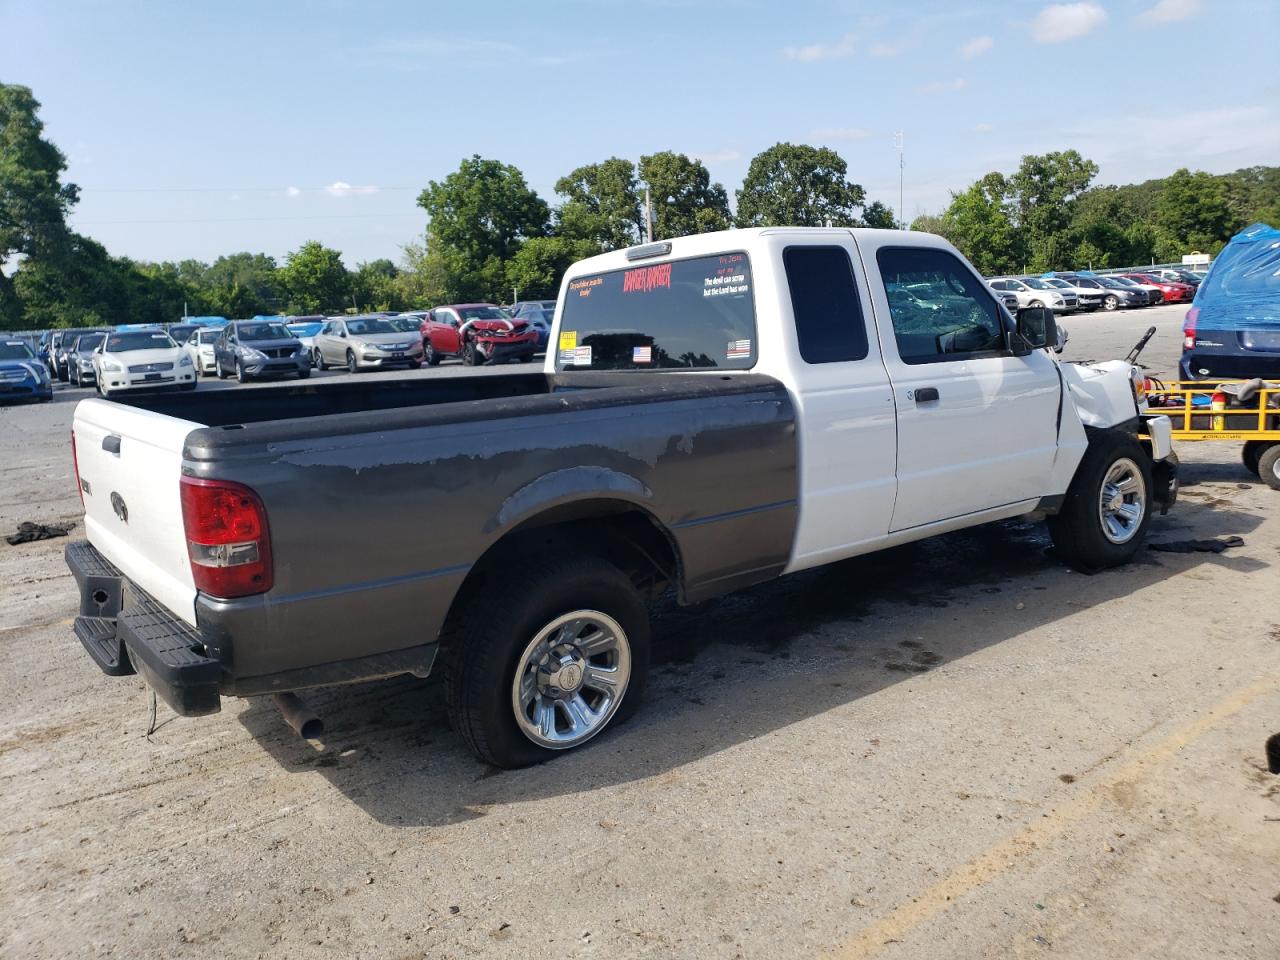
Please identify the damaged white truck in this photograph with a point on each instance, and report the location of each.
(714, 411)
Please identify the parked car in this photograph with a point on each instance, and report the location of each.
(305, 331)
(1171, 291)
(538, 314)
(1086, 299)
(1175, 275)
(141, 360)
(710, 428)
(80, 357)
(1034, 292)
(1232, 330)
(258, 348)
(180, 332)
(408, 322)
(1114, 295)
(58, 345)
(365, 343)
(1154, 294)
(479, 333)
(42, 350)
(22, 374)
(200, 347)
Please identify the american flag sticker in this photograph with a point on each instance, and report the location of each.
(642, 354)
(738, 349)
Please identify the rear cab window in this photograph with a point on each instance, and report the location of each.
(696, 313)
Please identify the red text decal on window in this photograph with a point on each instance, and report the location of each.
(647, 278)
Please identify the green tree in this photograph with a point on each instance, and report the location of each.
(374, 285)
(794, 184)
(1043, 191)
(684, 199)
(33, 201)
(535, 271)
(602, 203)
(315, 279)
(1193, 212)
(979, 223)
(239, 284)
(1100, 231)
(876, 214)
(478, 217)
(77, 285)
(422, 281)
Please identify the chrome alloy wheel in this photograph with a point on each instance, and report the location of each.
(1122, 501)
(571, 679)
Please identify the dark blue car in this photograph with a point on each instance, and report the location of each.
(1232, 331)
(22, 375)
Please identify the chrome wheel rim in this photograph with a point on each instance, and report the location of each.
(1122, 501)
(570, 679)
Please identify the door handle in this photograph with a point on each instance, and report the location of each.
(925, 394)
(111, 444)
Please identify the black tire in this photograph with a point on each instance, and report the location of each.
(1078, 529)
(1269, 466)
(304, 373)
(471, 356)
(217, 369)
(429, 355)
(1110, 302)
(75, 378)
(317, 360)
(1252, 452)
(415, 364)
(483, 643)
(352, 367)
(241, 376)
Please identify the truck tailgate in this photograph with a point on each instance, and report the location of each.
(130, 464)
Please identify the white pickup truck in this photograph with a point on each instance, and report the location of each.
(714, 411)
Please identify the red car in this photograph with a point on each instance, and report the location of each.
(479, 333)
(1173, 292)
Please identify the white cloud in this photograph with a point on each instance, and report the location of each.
(843, 47)
(341, 189)
(1171, 11)
(293, 192)
(943, 86)
(1060, 22)
(982, 128)
(976, 47)
(840, 133)
(712, 157)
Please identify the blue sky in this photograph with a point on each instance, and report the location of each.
(201, 129)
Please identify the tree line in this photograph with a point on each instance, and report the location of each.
(489, 234)
(1047, 215)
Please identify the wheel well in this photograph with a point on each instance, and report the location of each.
(626, 535)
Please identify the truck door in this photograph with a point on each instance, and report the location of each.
(977, 424)
(847, 432)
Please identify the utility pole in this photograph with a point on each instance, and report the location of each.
(648, 217)
(899, 141)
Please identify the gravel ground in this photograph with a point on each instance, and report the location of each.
(954, 749)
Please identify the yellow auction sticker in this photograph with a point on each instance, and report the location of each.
(568, 339)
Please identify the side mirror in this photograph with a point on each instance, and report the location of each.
(1038, 327)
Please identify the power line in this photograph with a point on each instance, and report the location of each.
(339, 216)
(283, 190)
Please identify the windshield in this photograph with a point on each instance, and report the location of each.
(1036, 284)
(406, 324)
(679, 314)
(1055, 282)
(263, 331)
(372, 325)
(138, 340)
(1109, 282)
(15, 350)
(1124, 281)
(180, 332)
(482, 313)
(91, 342)
(305, 329)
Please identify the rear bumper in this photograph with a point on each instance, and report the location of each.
(125, 631)
(1229, 364)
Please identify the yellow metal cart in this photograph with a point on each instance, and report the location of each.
(1236, 410)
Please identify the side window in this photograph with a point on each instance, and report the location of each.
(824, 299)
(940, 310)
(999, 285)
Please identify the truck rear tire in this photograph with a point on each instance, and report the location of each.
(1103, 521)
(1252, 453)
(547, 670)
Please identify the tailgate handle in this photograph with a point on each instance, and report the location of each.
(111, 444)
(923, 395)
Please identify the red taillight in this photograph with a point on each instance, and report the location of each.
(227, 538)
(1189, 329)
(75, 464)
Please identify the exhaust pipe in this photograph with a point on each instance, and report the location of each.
(298, 715)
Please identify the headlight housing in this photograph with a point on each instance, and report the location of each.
(185, 360)
(112, 366)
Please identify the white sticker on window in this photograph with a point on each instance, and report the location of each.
(582, 357)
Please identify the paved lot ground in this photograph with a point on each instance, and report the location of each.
(957, 749)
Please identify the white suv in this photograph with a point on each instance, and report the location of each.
(1034, 292)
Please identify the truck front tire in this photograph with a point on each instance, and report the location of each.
(560, 660)
(1103, 521)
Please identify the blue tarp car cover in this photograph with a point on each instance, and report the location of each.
(1242, 290)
